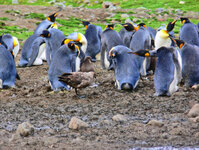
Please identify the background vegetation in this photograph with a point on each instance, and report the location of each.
(74, 25)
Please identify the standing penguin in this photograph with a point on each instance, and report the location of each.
(54, 38)
(62, 63)
(93, 36)
(46, 23)
(189, 32)
(141, 40)
(81, 41)
(162, 37)
(190, 63)
(8, 72)
(127, 32)
(109, 39)
(167, 72)
(33, 48)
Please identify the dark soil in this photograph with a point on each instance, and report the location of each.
(50, 112)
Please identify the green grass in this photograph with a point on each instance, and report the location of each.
(36, 16)
(190, 5)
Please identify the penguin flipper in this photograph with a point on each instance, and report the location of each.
(35, 50)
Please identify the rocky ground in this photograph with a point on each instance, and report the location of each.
(112, 119)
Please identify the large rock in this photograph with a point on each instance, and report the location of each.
(76, 124)
(155, 123)
(25, 129)
(119, 118)
(194, 111)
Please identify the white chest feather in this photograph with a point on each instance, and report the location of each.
(173, 86)
(77, 65)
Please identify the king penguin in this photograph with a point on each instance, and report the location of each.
(8, 72)
(162, 37)
(167, 73)
(189, 32)
(141, 40)
(190, 63)
(62, 61)
(109, 39)
(45, 23)
(12, 43)
(93, 36)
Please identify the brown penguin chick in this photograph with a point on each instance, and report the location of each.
(78, 80)
(87, 65)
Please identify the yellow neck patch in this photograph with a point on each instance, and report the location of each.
(86, 26)
(110, 52)
(79, 37)
(137, 28)
(183, 21)
(48, 19)
(54, 25)
(15, 43)
(67, 41)
(164, 34)
(147, 55)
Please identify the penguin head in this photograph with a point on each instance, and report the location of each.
(2, 42)
(180, 43)
(45, 33)
(128, 26)
(142, 25)
(85, 23)
(184, 20)
(142, 52)
(110, 26)
(73, 47)
(112, 53)
(171, 25)
(52, 17)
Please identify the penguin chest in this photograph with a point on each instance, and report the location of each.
(173, 86)
(106, 61)
(159, 42)
(77, 64)
(42, 51)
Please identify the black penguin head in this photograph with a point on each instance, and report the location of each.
(110, 26)
(180, 43)
(142, 25)
(45, 33)
(85, 23)
(52, 17)
(128, 26)
(73, 47)
(142, 52)
(171, 25)
(2, 42)
(184, 20)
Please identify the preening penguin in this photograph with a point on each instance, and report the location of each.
(109, 39)
(126, 68)
(12, 43)
(54, 38)
(162, 37)
(167, 72)
(8, 72)
(190, 63)
(46, 23)
(141, 40)
(62, 61)
(189, 32)
(81, 41)
(93, 36)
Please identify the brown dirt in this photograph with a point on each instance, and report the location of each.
(50, 112)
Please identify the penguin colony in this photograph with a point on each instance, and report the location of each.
(131, 54)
